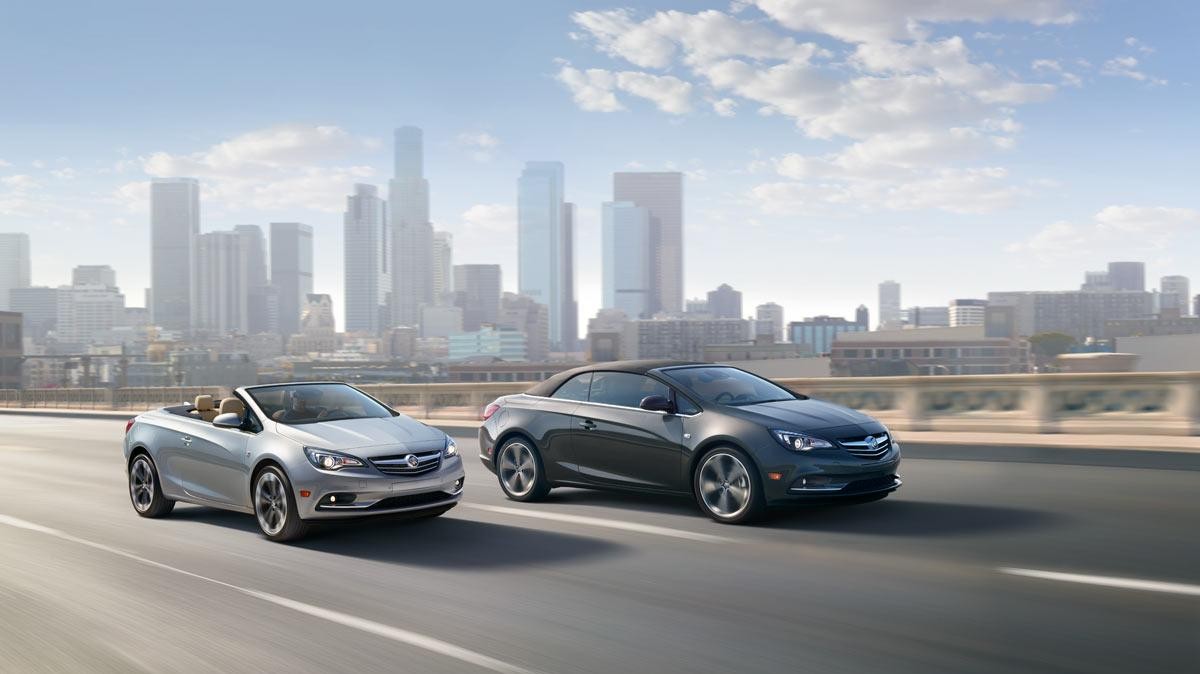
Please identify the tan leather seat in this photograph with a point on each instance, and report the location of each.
(204, 408)
(231, 405)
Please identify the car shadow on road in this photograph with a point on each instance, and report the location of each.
(667, 504)
(899, 517)
(444, 542)
(449, 542)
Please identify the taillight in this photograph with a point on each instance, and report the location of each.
(128, 425)
(491, 409)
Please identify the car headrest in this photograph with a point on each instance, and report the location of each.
(204, 403)
(233, 405)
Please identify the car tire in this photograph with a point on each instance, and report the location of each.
(275, 506)
(520, 471)
(727, 486)
(145, 488)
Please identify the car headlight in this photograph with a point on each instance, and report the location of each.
(327, 460)
(799, 442)
(451, 448)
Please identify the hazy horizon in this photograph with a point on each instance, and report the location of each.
(955, 154)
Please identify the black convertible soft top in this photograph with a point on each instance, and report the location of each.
(551, 385)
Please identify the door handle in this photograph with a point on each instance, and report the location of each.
(187, 439)
(587, 424)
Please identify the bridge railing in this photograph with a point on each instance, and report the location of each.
(1101, 403)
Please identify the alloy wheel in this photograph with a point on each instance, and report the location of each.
(141, 484)
(518, 468)
(270, 503)
(725, 485)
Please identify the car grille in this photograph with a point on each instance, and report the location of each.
(861, 445)
(411, 500)
(398, 465)
(870, 485)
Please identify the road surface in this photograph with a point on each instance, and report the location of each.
(974, 566)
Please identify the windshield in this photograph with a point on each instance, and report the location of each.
(312, 403)
(727, 385)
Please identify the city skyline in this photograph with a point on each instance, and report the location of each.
(1050, 197)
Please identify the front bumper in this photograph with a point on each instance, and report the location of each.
(829, 475)
(355, 494)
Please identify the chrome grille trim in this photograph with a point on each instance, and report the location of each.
(427, 461)
(859, 447)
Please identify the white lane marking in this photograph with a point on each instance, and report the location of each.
(1107, 581)
(403, 636)
(601, 522)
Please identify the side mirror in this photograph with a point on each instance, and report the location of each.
(228, 420)
(657, 404)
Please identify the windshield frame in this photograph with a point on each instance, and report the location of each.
(695, 395)
(250, 392)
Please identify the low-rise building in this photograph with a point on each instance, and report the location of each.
(819, 332)
(764, 347)
(509, 345)
(678, 338)
(932, 351)
(12, 350)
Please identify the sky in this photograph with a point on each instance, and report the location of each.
(828, 145)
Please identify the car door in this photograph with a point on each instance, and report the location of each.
(552, 424)
(616, 443)
(214, 464)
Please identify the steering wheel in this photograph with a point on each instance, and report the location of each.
(724, 397)
(332, 414)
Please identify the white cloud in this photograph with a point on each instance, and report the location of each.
(66, 173)
(705, 36)
(1113, 230)
(287, 166)
(1127, 66)
(879, 20)
(725, 107)
(482, 145)
(1053, 67)
(491, 218)
(5, 164)
(595, 89)
(1137, 44)
(19, 182)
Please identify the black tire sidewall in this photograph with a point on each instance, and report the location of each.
(541, 486)
(159, 504)
(757, 501)
(294, 527)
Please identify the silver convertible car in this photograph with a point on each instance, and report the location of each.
(291, 454)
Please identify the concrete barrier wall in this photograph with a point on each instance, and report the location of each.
(1106, 403)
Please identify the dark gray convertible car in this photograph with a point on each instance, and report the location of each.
(735, 441)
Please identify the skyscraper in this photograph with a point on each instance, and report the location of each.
(477, 290)
(443, 265)
(725, 302)
(94, 275)
(570, 307)
(174, 226)
(1127, 275)
(261, 316)
(889, 305)
(967, 312)
(862, 316)
(1174, 293)
(222, 275)
(291, 271)
(661, 194)
(541, 241)
(412, 234)
(367, 257)
(627, 280)
(769, 318)
(14, 264)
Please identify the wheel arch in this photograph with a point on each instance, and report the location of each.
(709, 445)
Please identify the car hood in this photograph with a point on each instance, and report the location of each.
(803, 415)
(388, 434)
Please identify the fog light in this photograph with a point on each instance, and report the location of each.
(458, 484)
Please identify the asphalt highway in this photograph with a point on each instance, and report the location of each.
(974, 566)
